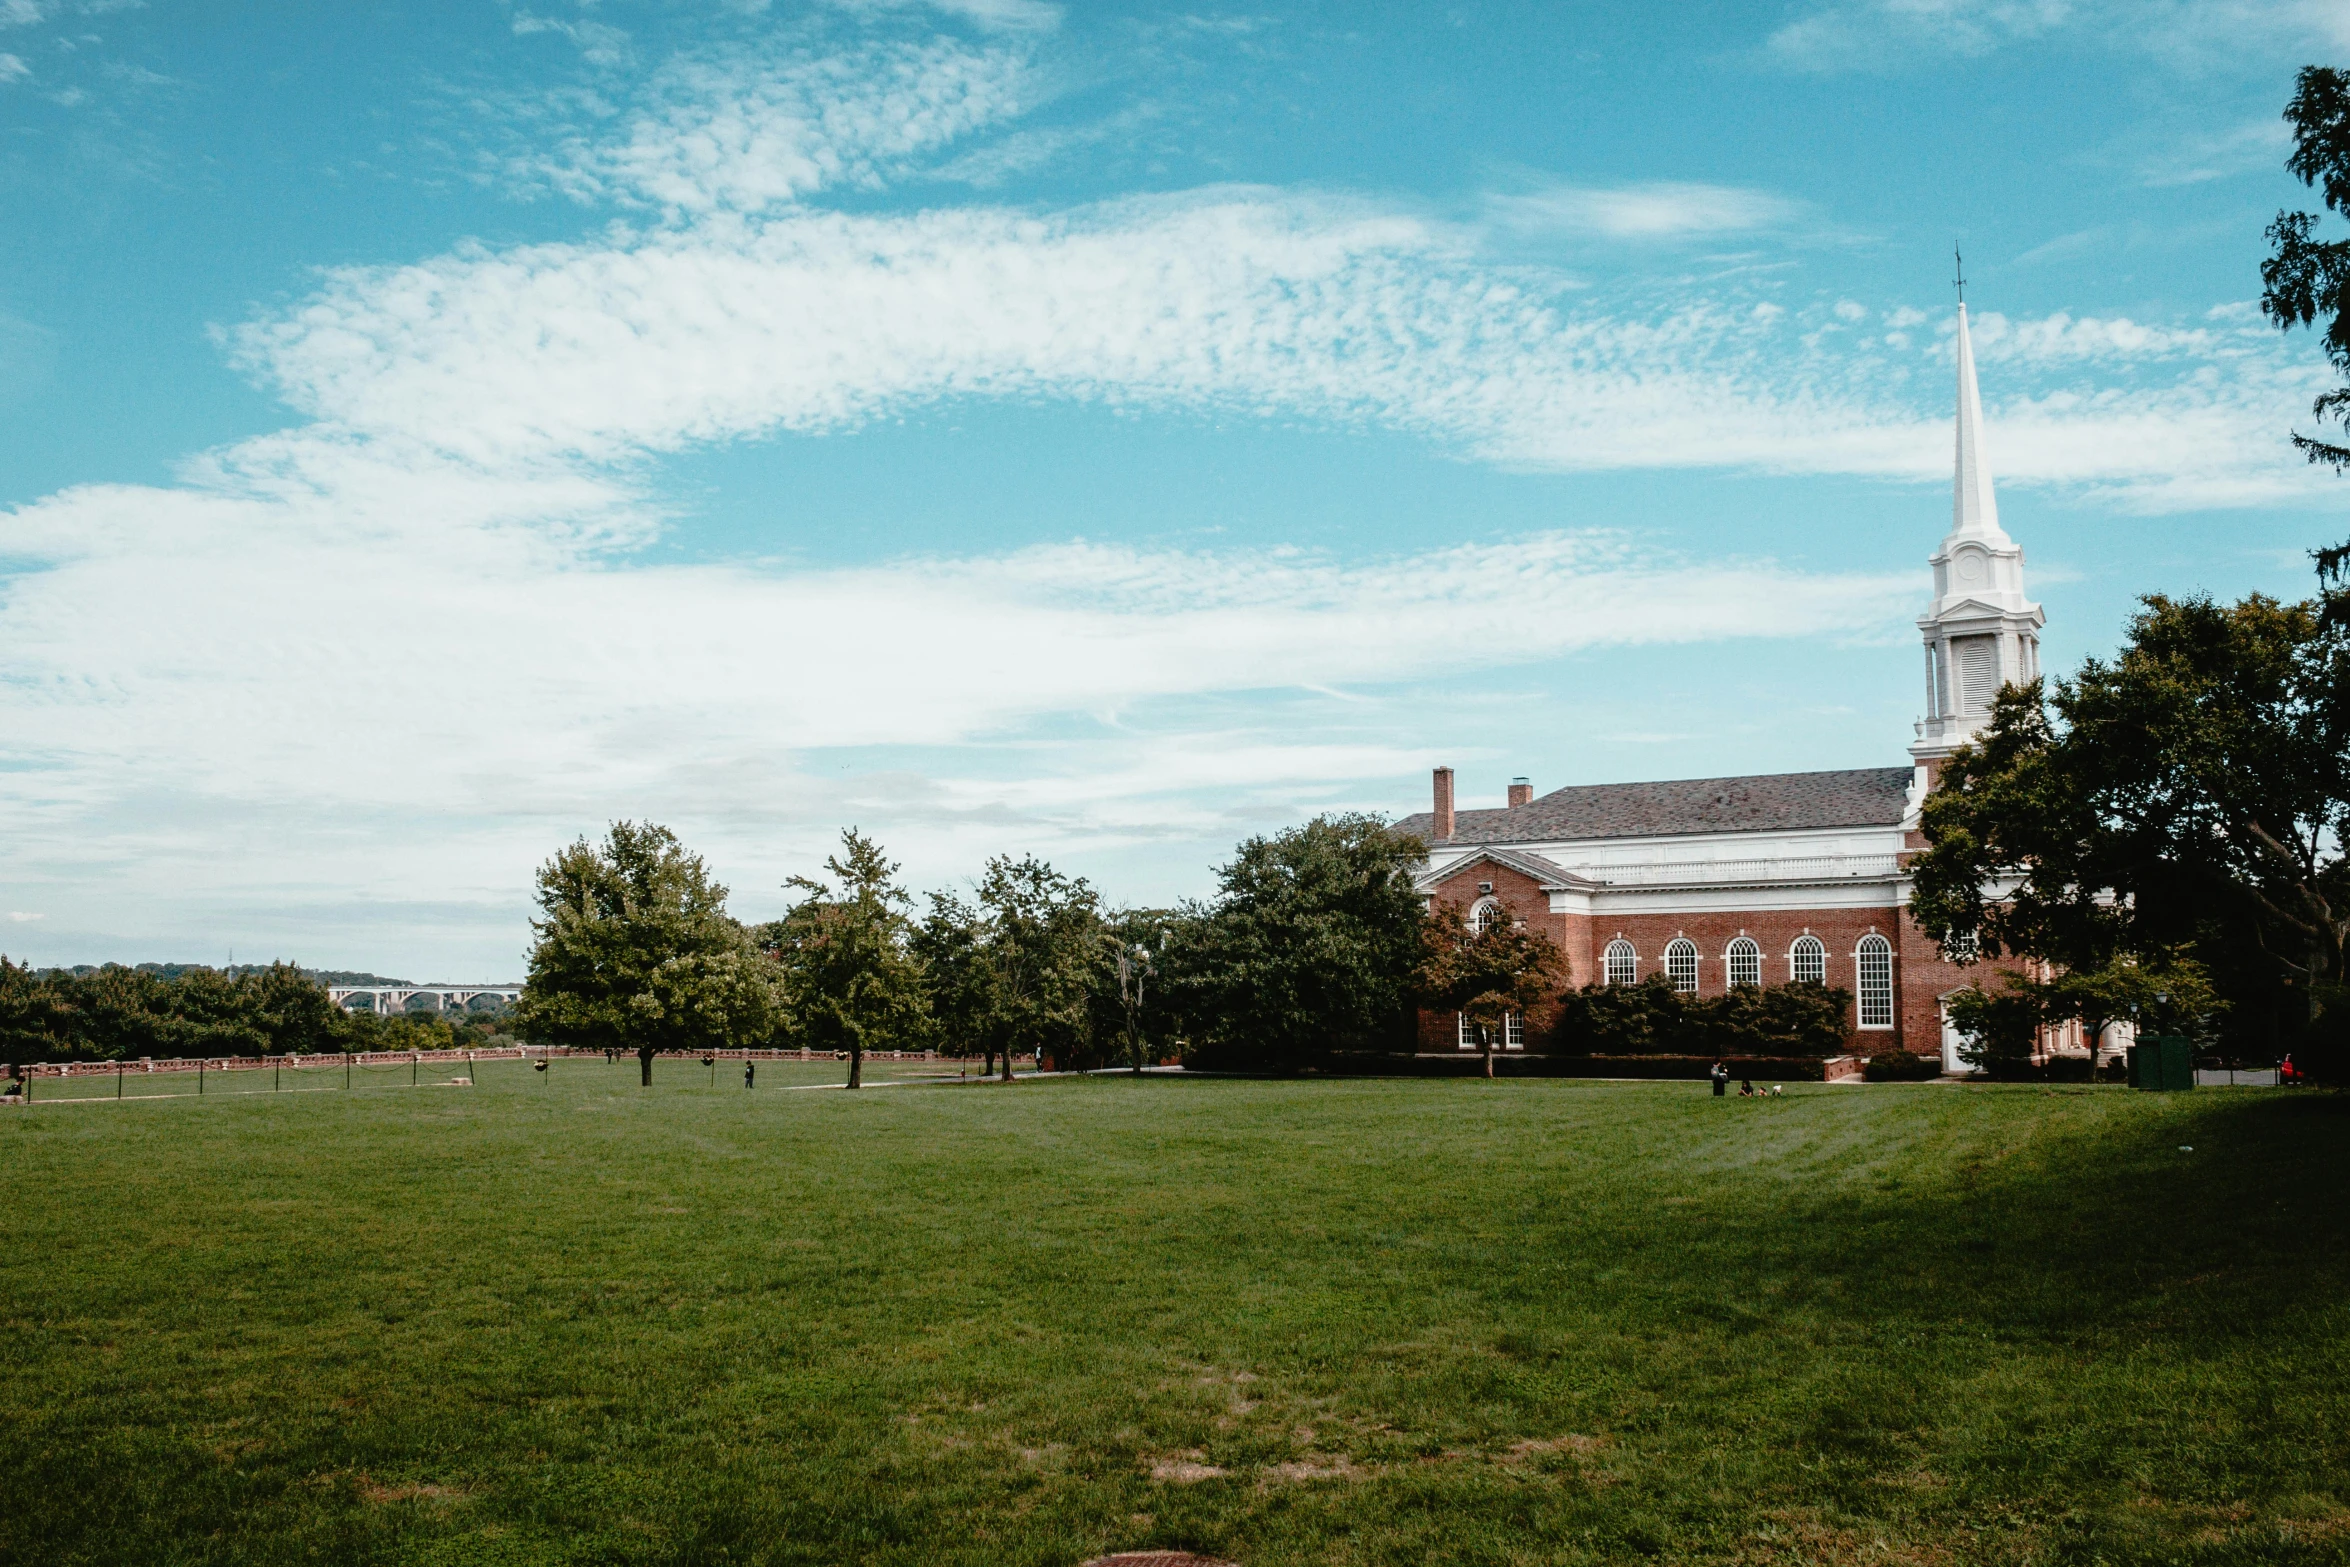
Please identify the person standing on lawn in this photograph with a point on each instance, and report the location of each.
(1721, 1077)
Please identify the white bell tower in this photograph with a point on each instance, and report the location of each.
(1980, 631)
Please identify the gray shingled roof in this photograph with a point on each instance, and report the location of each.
(1764, 802)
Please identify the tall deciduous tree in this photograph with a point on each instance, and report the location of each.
(960, 981)
(1308, 947)
(850, 980)
(1130, 1004)
(2306, 280)
(2193, 789)
(1040, 936)
(636, 952)
(1488, 975)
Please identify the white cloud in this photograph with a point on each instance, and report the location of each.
(1238, 300)
(13, 69)
(598, 43)
(422, 618)
(18, 917)
(2204, 156)
(2066, 246)
(1025, 16)
(2193, 34)
(1869, 33)
(24, 13)
(1658, 210)
(743, 132)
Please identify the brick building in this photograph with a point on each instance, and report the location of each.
(1714, 882)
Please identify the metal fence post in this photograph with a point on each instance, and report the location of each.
(118, 1079)
(346, 1069)
(412, 1060)
(277, 1074)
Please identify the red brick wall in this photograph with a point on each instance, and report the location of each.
(1920, 976)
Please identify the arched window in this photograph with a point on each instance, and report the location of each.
(1487, 914)
(1807, 961)
(1873, 959)
(1623, 964)
(1745, 962)
(1681, 963)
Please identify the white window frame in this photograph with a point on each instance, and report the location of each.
(1681, 947)
(1620, 948)
(1743, 953)
(1873, 947)
(1513, 1031)
(1483, 913)
(1797, 951)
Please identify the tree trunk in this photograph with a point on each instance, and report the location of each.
(987, 1062)
(644, 1059)
(856, 1066)
(1489, 1060)
(1007, 1063)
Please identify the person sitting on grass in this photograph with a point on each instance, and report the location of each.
(1745, 1088)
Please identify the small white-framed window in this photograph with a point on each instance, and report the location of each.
(1623, 964)
(1681, 963)
(1487, 914)
(1873, 962)
(1744, 961)
(1513, 1031)
(1807, 961)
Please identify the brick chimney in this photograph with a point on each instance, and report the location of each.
(1521, 792)
(1443, 803)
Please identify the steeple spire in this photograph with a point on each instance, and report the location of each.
(1980, 631)
(1974, 511)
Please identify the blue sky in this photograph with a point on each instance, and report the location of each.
(430, 432)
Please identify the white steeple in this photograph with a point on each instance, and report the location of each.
(1980, 630)
(1973, 509)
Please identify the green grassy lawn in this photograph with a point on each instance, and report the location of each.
(567, 1320)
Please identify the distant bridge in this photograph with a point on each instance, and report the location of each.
(421, 998)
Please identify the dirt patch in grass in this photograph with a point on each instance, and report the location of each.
(382, 1493)
(1185, 1469)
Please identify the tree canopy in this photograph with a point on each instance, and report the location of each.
(851, 981)
(1308, 947)
(1487, 975)
(1039, 935)
(2187, 798)
(636, 952)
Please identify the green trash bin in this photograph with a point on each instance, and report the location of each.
(2162, 1063)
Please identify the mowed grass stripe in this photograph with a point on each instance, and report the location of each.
(570, 1320)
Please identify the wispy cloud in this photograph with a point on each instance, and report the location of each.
(743, 131)
(2202, 156)
(1847, 35)
(424, 612)
(1657, 210)
(1024, 16)
(13, 68)
(599, 43)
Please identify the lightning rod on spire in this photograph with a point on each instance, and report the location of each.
(1960, 280)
